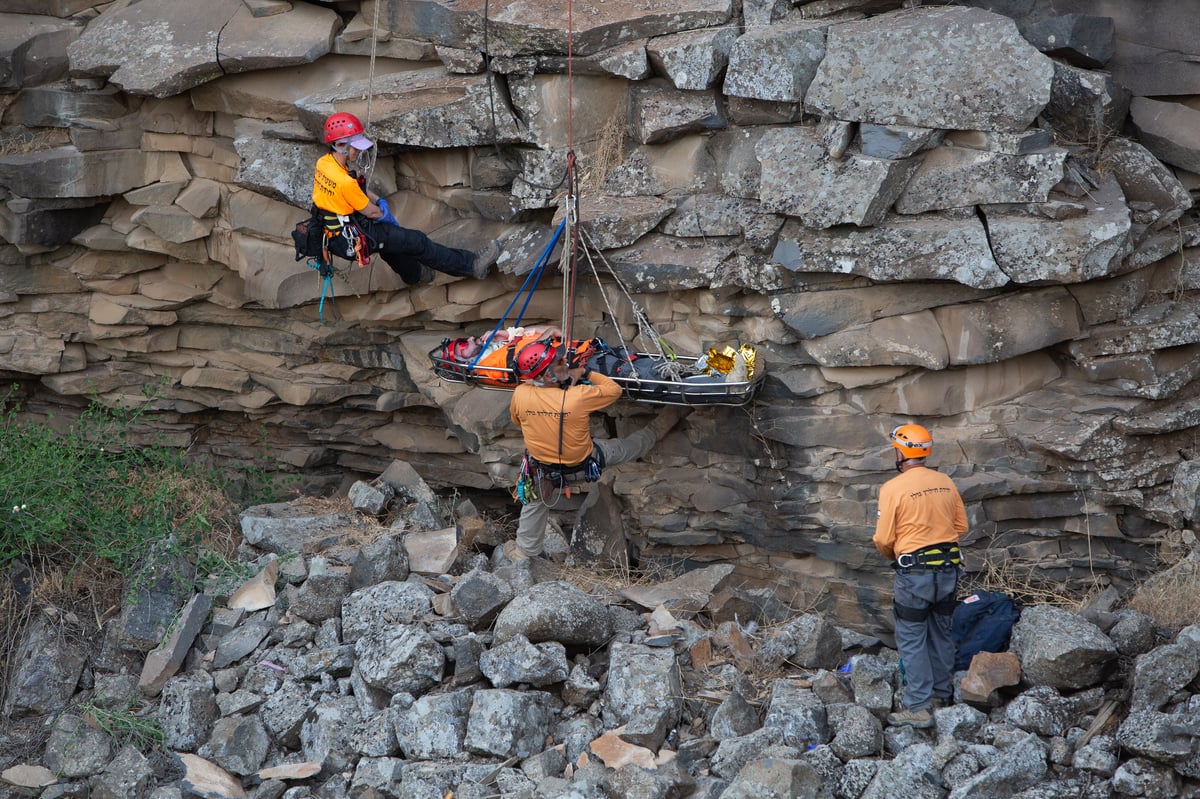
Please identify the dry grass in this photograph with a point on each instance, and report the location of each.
(1171, 597)
(607, 153)
(1023, 583)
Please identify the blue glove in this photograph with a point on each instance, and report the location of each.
(387, 213)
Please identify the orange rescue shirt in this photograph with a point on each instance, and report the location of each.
(918, 508)
(537, 410)
(334, 190)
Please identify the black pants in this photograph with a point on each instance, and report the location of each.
(406, 250)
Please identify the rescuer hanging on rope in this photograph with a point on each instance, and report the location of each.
(359, 223)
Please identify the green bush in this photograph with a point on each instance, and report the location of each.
(79, 488)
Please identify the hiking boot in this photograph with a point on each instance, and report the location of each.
(921, 719)
(485, 259)
(670, 416)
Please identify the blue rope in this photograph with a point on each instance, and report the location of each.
(325, 272)
(531, 281)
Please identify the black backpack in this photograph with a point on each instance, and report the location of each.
(982, 622)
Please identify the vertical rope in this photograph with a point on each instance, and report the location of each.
(371, 81)
(572, 203)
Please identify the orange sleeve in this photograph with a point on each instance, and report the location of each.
(885, 523)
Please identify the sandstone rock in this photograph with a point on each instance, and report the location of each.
(67, 172)
(989, 672)
(998, 328)
(907, 339)
(661, 113)
(1169, 130)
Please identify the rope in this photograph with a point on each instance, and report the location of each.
(325, 273)
(571, 211)
(371, 79)
(527, 288)
(646, 331)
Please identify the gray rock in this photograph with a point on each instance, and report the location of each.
(880, 70)
(669, 779)
(285, 527)
(44, 669)
(1000, 328)
(1060, 649)
(799, 178)
(959, 722)
(238, 744)
(435, 726)
(187, 711)
(327, 735)
(1041, 710)
(955, 177)
(1144, 179)
(504, 723)
(285, 711)
(856, 732)
(1098, 756)
(733, 718)
(401, 657)
(378, 774)
(1162, 672)
(734, 753)
(692, 59)
(924, 247)
(370, 498)
(911, 339)
(643, 685)
(1082, 39)
(895, 141)
(661, 113)
(1091, 238)
(75, 748)
(808, 641)
(555, 611)
(241, 641)
(479, 596)
(906, 775)
(127, 776)
(389, 602)
(1164, 737)
(1085, 106)
(382, 560)
(776, 62)
(580, 689)
(518, 661)
(775, 778)
(152, 597)
(165, 660)
(1133, 633)
(226, 38)
(1140, 776)
(872, 678)
(797, 714)
(424, 108)
(321, 595)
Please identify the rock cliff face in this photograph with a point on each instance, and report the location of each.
(976, 216)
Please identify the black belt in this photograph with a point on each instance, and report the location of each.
(930, 557)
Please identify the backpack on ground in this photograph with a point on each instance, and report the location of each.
(983, 622)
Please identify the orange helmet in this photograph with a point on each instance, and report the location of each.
(342, 126)
(535, 358)
(912, 440)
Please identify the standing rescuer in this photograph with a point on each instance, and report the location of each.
(360, 221)
(921, 517)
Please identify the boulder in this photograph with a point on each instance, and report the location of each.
(1060, 649)
(775, 62)
(956, 177)
(1169, 130)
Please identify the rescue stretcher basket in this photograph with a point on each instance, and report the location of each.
(693, 390)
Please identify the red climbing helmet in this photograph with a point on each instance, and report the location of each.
(342, 126)
(535, 358)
